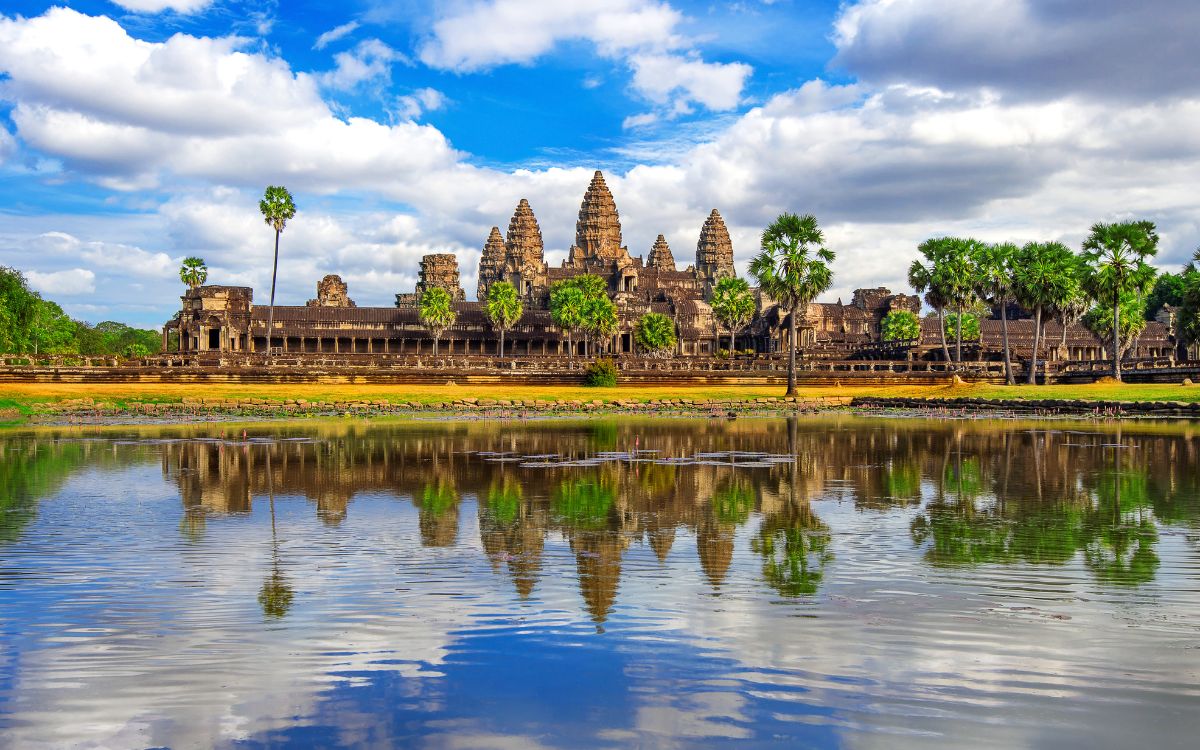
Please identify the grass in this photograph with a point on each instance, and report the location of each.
(16, 399)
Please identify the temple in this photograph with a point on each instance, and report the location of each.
(224, 318)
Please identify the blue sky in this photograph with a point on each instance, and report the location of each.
(134, 133)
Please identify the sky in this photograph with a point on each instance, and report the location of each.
(134, 133)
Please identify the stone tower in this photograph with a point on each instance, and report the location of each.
(660, 255)
(714, 253)
(331, 292)
(491, 263)
(598, 231)
(525, 264)
(440, 270)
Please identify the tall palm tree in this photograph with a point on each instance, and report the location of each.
(995, 264)
(566, 309)
(960, 278)
(733, 305)
(436, 313)
(1043, 275)
(1074, 303)
(504, 308)
(792, 267)
(1116, 256)
(277, 210)
(193, 271)
(924, 279)
(600, 320)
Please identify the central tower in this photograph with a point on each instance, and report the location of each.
(598, 230)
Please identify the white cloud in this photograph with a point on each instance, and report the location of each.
(643, 33)
(69, 282)
(411, 106)
(370, 61)
(158, 6)
(334, 34)
(665, 78)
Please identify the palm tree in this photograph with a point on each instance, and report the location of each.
(960, 280)
(1116, 256)
(655, 334)
(1074, 303)
(566, 309)
(436, 312)
(504, 308)
(793, 268)
(600, 321)
(193, 272)
(995, 263)
(277, 209)
(733, 305)
(924, 279)
(1043, 277)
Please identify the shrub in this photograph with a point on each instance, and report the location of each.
(722, 354)
(748, 352)
(655, 334)
(900, 325)
(970, 326)
(601, 374)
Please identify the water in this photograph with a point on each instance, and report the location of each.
(820, 582)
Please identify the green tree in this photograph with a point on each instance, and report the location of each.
(52, 331)
(277, 210)
(1116, 256)
(1189, 313)
(1168, 289)
(504, 308)
(792, 267)
(1044, 272)
(965, 326)
(924, 279)
(655, 334)
(733, 305)
(566, 309)
(436, 313)
(1073, 304)
(1100, 320)
(996, 286)
(900, 325)
(960, 279)
(193, 271)
(18, 307)
(599, 320)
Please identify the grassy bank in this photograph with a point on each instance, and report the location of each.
(18, 401)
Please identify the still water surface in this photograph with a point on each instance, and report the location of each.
(824, 582)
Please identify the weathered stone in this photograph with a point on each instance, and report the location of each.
(491, 263)
(714, 252)
(660, 255)
(440, 270)
(331, 292)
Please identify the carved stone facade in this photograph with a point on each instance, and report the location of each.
(331, 292)
(598, 230)
(660, 255)
(440, 270)
(491, 263)
(714, 252)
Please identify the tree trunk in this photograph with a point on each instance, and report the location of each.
(271, 309)
(501, 343)
(1117, 339)
(1008, 373)
(1037, 328)
(942, 329)
(435, 343)
(958, 335)
(791, 387)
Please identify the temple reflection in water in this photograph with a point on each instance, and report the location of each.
(979, 494)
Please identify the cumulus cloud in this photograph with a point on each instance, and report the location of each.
(411, 106)
(666, 69)
(158, 6)
(1110, 49)
(69, 282)
(370, 61)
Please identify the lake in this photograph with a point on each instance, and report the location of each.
(826, 581)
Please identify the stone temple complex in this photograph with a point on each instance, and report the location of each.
(224, 318)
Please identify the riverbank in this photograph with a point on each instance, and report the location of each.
(40, 403)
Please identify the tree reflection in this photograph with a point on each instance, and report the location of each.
(275, 596)
(794, 546)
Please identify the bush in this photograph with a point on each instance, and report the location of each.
(722, 354)
(748, 352)
(601, 374)
(900, 325)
